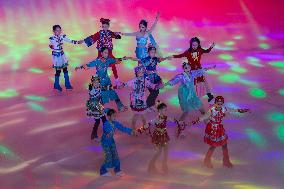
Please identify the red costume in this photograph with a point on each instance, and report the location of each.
(194, 58)
(215, 133)
(160, 135)
(104, 39)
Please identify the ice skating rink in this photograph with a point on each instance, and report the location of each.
(45, 136)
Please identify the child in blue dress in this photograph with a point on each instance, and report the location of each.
(108, 144)
(188, 99)
(102, 63)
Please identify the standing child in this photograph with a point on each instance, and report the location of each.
(95, 109)
(102, 63)
(104, 39)
(142, 37)
(188, 100)
(138, 94)
(193, 55)
(60, 62)
(150, 63)
(160, 137)
(215, 134)
(108, 144)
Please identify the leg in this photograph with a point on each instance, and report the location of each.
(56, 80)
(115, 159)
(152, 97)
(226, 158)
(143, 120)
(152, 167)
(108, 160)
(183, 116)
(165, 159)
(113, 66)
(119, 104)
(208, 91)
(66, 77)
(134, 120)
(95, 129)
(207, 159)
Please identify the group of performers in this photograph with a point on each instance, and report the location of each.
(193, 85)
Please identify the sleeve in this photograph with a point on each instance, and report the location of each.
(197, 73)
(175, 80)
(123, 129)
(184, 54)
(111, 61)
(52, 43)
(107, 128)
(205, 50)
(115, 36)
(92, 64)
(66, 39)
(89, 41)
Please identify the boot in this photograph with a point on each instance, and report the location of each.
(207, 159)
(226, 158)
(67, 82)
(56, 83)
(210, 97)
(94, 134)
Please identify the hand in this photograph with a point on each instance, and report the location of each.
(158, 15)
(213, 45)
(117, 33)
(80, 42)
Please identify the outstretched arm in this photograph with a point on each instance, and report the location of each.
(232, 110)
(184, 54)
(209, 49)
(174, 80)
(129, 34)
(155, 23)
(66, 39)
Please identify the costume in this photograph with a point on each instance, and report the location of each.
(109, 147)
(188, 99)
(141, 49)
(107, 90)
(104, 39)
(138, 94)
(194, 58)
(59, 59)
(95, 109)
(151, 72)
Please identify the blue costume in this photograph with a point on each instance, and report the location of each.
(107, 93)
(188, 99)
(141, 49)
(151, 72)
(109, 147)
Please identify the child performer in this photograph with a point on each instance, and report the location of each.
(160, 137)
(95, 109)
(104, 39)
(150, 63)
(108, 144)
(58, 57)
(215, 134)
(142, 37)
(188, 99)
(102, 63)
(138, 94)
(193, 55)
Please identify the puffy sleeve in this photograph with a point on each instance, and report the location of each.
(184, 54)
(89, 41)
(123, 129)
(197, 73)
(92, 64)
(52, 43)
(66, 39)
(111, 61)
(115, 36)
(175, 80)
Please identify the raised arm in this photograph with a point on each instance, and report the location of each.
(155, 23)
(209, 49)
